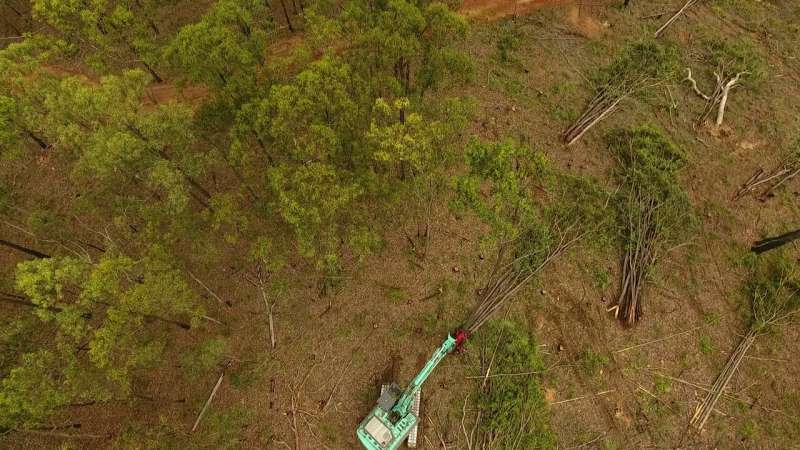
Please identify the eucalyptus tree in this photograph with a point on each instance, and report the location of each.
(225, 48)
(100, 323)
(107, 33)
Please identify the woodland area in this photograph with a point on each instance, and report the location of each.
(226, 223)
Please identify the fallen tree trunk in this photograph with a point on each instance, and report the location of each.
(772, 243)
(23, 249)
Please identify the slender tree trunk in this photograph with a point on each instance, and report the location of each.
(13, 8)
(39, 141)
(15, 299)
(153, 72)
(26, 250)
(286, 15)
(148, 18)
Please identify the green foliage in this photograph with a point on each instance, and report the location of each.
(108, 32)
(706, 345)
(114, 310)
(226, 47)
(649, 166)
(662, 386)
(128, 157)
(773, 288)
(507, 43)
(30, 392)
(729, 57)
(313, 200)
(593, 362)
(511, 171)
(501, 189)
(408, 47)
(202, 359)
(24, 84)
(396, 295)
(330, 148)
(639, 63)
(600, 277)
(513, 407)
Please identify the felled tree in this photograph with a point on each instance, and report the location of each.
(638, 66)
(736, 63)
(654, 213)
(107, 321)
(774, 293)
(527, 232)
(511, 409)
(763, 183)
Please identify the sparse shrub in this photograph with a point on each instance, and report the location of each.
(592, 362)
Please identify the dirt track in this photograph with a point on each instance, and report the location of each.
(580, 14)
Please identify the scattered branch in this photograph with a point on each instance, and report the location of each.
(675, 17)
(210, 398)
(696, 89)
(582, 397)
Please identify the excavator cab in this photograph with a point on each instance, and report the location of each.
(386, 429)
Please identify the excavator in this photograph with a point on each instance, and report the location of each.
(395, 418)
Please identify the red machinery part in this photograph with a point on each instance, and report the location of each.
(461, 337)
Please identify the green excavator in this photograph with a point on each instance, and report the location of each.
(396, 416)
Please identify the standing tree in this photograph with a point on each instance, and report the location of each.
(24, 85)
(109, 31)
(402, 48)
(226, 48)
(105, 321)
(128, 154)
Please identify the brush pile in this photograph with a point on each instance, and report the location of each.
(763, 183)
(639, 66)
(774, 289)
(654, 212)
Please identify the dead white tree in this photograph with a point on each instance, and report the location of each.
(719, 97)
